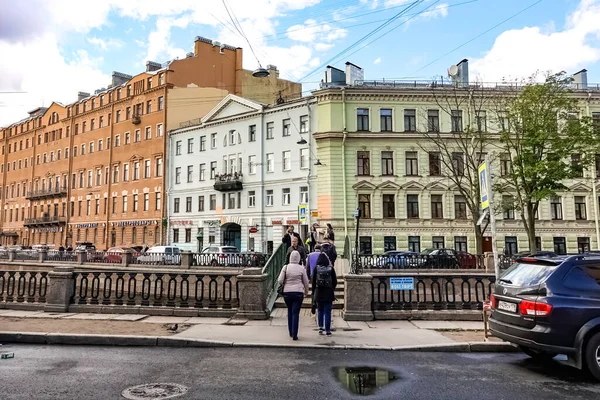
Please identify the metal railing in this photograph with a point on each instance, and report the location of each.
(25, 255)
(272, 269)
(57, 255)
(23, 286)
(257, 260)
(434, 292)
(449, 84)
(421, 261)
(55, 219)
(56, 191)
(153, 289)
(156, 259)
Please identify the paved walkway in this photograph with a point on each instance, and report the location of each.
(273, 332)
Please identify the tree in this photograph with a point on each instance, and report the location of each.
(463, 149)
(544, 141)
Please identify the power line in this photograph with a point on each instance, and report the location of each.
(239, 28)
(480, 35)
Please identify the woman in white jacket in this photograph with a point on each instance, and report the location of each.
(293, 277)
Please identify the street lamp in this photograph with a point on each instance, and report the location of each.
(302, 141)
(260, 72)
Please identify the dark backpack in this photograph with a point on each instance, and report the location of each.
(324, 277)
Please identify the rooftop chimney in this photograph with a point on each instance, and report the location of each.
(119, 78)
(580, 79)
(82, 95)
(152, 66)
(273, 69)
(354, 73)
(463, 72)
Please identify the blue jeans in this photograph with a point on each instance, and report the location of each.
(293, 301)
(324, 314)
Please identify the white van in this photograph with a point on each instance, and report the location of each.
(161, 255)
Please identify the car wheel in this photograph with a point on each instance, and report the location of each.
(538, 355)
(592, 355)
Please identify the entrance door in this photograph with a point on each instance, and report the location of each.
(486, 246)
(231, 234)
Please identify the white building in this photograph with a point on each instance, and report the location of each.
(242, 174)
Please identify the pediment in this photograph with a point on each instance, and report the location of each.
(580, 187)
(388, 185)
(436, 186)
(230, 106)
(364, 185)
(136, 157)
(413, 185)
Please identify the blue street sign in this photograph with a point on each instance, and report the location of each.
(403, 283)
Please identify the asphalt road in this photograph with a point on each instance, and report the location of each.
(85, 372)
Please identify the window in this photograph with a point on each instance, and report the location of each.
(387, 163)
(456, 119)
(508, 206)
(178, 148)
(412, 163)
(230, 200)
(135, 203)
(101, 122)
(125, 203)
(91, 148)
(576, 166)
(286, 197)
(159, 166)
(270, 130)
(364, 205)
(83, 127)
(202, 143)
(232, 135)
(188, 235)
(556, 208)
(202, 172)
(175, 235)
(190, 173)
(213, 169)
(269, 198)
(362, 119)
(160, 103)
(303, 158)
(118, 119)
(458, 164)
(82, 152)
(149, 105)
(114, 205)
(410, 121)
(460, 207)
(117, 140)
(287, 162)
(481, 120)
(100, 148)
(303, 194)
(389, 243)
(116, 174)
(580, 208)
(510, 245)
(251, 133)
(270, 162)
(414, 244)
(435, 164)
(159, 130)
(286, 127)
(178, 175)
(304, 124)
(412, 205)
(146, 201)
(504, 164)
(213, 140)
(92, 124)
(365, 245)
(147, 173)
(148, 135)
(385, 115)
(125, 172)
(438, 242)
(252, 198)
(389, 206)
(176, 205)
(433, 120)
(560, 245)
(460, 243)
(583, 244)
(188, 204)
(437, 206)
(98, 177)
(363, 163)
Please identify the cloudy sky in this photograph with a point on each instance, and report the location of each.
(51, 49)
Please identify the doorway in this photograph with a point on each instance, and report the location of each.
(231, 234)
(486, 245)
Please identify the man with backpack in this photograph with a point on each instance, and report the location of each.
(324, 282)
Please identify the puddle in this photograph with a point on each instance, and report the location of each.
(363, 381)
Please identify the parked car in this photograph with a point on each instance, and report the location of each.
(115, 254)
(398, 259)
(538, 254)
(219, 255)
(160, 255)
(440, 258)
(551, 306)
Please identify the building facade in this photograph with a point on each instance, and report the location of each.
(375, 160)
(242, 174)
(93, 171)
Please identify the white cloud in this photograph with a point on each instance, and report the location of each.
(435, 12)
(323, 46)
(377, 61)
(106, 44)
(518, 53)
(311, 31)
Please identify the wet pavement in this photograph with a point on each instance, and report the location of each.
(87, 372)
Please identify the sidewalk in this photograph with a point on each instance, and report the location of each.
(40, 327)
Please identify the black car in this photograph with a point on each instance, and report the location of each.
(551, 306)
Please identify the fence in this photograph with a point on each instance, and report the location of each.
(23, 287)
(434, 292)
(272, 269)
(27, 255)
(422, 261)
(61, 256)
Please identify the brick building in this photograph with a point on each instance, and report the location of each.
(93, 170)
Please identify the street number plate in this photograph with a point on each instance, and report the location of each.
(506, 306)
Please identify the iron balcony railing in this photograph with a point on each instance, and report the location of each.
(55, 219)
(45, 193)
(228, 182)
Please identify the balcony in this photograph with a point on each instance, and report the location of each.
(47, 193)
(136, 120)
(45, 220)
(228, 182)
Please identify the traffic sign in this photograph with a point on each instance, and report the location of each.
(302, 213)
(484, 186)
(253, 229)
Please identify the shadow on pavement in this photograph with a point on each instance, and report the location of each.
(556, 370)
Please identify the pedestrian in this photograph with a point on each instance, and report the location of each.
(329, 249)
(313, 239)
(61, 250)
(145, 249)
(296, 246)
(311, 260)
(69, 248)
(330, 234)
(295, 287)
(287, 238)
(324, 282)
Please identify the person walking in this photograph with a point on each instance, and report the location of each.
(329, 249)
(296, 246)
(289, 235)
(324, 282)
(311, 261)
(330, 235)
(313, 239)
(295, 287)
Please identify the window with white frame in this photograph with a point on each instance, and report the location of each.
(159, 130)
(213, 140)
(159, 166)
(125, 172)
(287, 160)
(202, 172)
(286, 196)
(148, 133)
(304, 124)
(303, 158)
(252, 165)
(303, 194)
(178, 175)
(270, 162)
(100, 145)
(146, 169)
(269, 198)
(251, 198)
(286, 127)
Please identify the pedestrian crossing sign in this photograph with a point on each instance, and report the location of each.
(302, 212)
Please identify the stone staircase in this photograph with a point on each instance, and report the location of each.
(307, 303)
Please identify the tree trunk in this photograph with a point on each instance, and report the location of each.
(530, 227)
(478, 238)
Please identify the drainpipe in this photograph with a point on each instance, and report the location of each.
(263, 223)
(310, 142)
(345, 131)
(594, 172)
(167, 182)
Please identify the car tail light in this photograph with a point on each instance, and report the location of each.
(534, 308)
(493, 301)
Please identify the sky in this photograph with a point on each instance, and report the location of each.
(51, 49)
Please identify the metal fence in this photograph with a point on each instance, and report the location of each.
(153, 289)
(23, 286)
(272, 269)
(156, 259)
(434, 292)
(421, 261)
(27, 255)
(61, 256)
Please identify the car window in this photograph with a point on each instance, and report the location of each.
(522, 274)
(176, 250)
(168, 250)
(584, 278)
(230, 250)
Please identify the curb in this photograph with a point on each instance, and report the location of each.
(170, 341)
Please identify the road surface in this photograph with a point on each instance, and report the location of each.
(86, 372)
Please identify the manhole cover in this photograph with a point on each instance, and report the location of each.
(154, 391)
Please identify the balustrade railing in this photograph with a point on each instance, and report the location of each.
(23, 287)
(272, 269)
(27, 255)
(61, 256)
(421, 261)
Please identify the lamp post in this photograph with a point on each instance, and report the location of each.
(356, 267)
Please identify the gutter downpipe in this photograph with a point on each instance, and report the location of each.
(263, 223)
(345, 132)
(594, 174)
